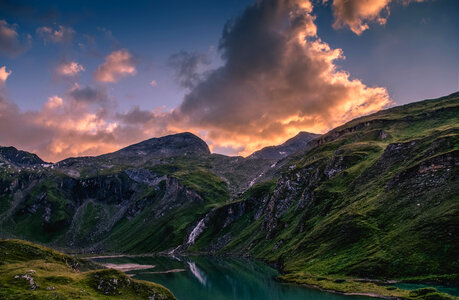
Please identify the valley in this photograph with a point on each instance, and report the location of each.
(372, 201)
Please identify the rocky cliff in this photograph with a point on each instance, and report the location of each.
(376, 197)
(141, 198)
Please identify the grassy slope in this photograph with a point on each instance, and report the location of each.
(144, 234)
(379, 216)
(138, 234)
(356, 225)
(58, 276)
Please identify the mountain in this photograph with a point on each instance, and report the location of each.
(373, 199)
(172, 145)
(296, 143)
(149, 151)
(98, 203)
(10, 156)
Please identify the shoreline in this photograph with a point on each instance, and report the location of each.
(356, 282)
(317, 287)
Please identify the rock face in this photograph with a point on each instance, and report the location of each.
(83, 212)
(97, 203)
(375, 197)
(297, 143)
(149, 151)
(172, 145)
(18, 158)
(371, 198)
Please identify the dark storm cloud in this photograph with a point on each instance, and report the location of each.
(186, 66)
(278, 78)
(137, 116)
(88, 94)
(28, 12)
(10, 43)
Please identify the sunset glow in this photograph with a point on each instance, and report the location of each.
(271, 72)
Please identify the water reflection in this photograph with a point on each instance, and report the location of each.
(197, 273)
(210, 278)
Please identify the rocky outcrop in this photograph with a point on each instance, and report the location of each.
(172, 145)
(374, 197)
(18, 158)
(295, 144)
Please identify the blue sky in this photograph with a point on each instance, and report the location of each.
(152, 30)
(413, 56)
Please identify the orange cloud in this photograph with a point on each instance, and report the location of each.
(283, 81)
(278, 78)
(78, 123)
(117, 65)
(4, 75)
(71, 68)
(357, 14)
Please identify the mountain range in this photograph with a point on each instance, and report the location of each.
(377, 198)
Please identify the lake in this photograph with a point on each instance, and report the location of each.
(210, 278)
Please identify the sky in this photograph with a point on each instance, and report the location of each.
(89, 77)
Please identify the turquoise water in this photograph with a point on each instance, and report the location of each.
(209, 278)
(414, 286)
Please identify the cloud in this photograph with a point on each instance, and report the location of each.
(357, 14)
(278, 78)
(78, 123)
(88, 95)
(4, 75)
(60, 35)
(53, 103)
(186, 66)
(56, 131)
(62, 128)
(117, 65)
(28, 12)
(69, 69)
(9, 40)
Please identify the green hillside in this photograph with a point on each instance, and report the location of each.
(29, 271)
(375, 198)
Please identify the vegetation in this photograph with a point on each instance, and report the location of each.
(375, 198)
(36, 272)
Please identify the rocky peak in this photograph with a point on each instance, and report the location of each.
(289, 147)
(19, 158)
(180, 144)
(170, 145)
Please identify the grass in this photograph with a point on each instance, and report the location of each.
(375, 198)
(36, 272)
(81, 213)
(388, 210)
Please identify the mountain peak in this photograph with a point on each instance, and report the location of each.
(19, 158)
(184, 143)
(290, 146)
